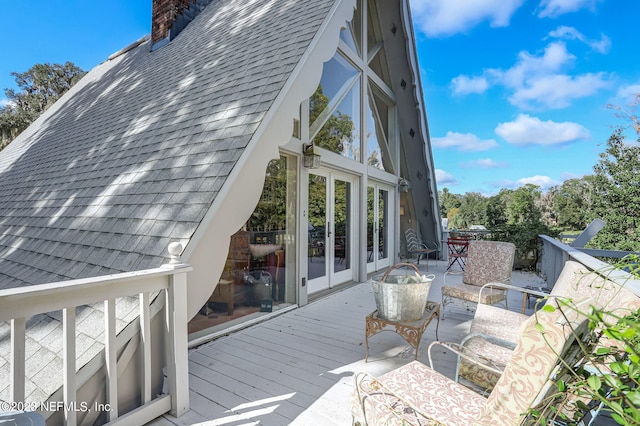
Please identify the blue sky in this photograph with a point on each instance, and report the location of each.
(515, 90)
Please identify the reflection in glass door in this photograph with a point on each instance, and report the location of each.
(330, 249)
(379, 224)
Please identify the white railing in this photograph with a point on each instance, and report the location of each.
(18, 304)
(555, 254)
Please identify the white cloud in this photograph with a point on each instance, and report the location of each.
(557, 91)
(544, 182)
(569, 33)
(4, 102)
(539, 81)
(527, 130)
(554, 58)
(570, 175)
(464, 142)
(483, 163)
(628, 95)
(555, 8)
(437, 18)
(445, 178)
(463, 85)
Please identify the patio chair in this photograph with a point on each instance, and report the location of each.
(415, 394)
(494, 330)
(417, 247)
(486, 262)
(458, 249)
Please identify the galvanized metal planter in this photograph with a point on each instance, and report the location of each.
(401, 297)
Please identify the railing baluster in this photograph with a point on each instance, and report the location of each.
(177, 362)
(111, 360)
(69, 364)
(17, 359)
(145, 339)
(17, 306)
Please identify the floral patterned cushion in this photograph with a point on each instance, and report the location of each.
(418, 395)
(489, 261)
(533, 361)
(415, 394)
(471, 293)
(491, 321)
(577, 282)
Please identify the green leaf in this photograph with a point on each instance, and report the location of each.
(549, 308)
(561, 386)
(594, 382)
(618, 419)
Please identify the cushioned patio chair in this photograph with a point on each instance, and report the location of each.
(486, 262)
(415, 394)
(495, 330)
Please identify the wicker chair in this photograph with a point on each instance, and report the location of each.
(486, 262)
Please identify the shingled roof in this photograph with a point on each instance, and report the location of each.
(134, 155)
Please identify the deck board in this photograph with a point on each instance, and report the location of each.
(298, 368)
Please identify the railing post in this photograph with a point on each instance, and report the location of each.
(69, 364)
(111, 360)
(17, 359)
(177, 353)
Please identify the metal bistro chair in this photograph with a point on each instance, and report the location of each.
(417, 247)
(457, 251)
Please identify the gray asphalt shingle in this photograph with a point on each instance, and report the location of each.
(141, 146)
(132, 158)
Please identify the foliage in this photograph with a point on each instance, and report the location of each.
(525, 238)
(39, 87)
(572, 203)
(617, 194)
(270, 213)
(608, 375)
(338, 132)
(448, 201)
(472, 210)
(522, 205)
(496, 208)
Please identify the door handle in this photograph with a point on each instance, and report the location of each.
(328, 229)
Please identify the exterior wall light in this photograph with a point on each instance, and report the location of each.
(403, 185)
(311, 156)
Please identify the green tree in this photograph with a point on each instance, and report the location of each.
(496, 209)
(473, 210)
(617, 194)
(572, 203)
(338, 132)
(448, 201)
(522, 207)
(39, 88)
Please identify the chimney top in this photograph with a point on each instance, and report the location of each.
(163, 16)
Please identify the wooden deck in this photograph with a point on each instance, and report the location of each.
(297, 368)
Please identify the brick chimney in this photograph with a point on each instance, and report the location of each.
(163, 15)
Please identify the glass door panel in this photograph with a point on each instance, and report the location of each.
(317, 263)
(379, 225)
(330, 231)
(341, 226)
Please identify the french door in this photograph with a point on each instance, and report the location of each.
(331, 231)
(379, 226)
